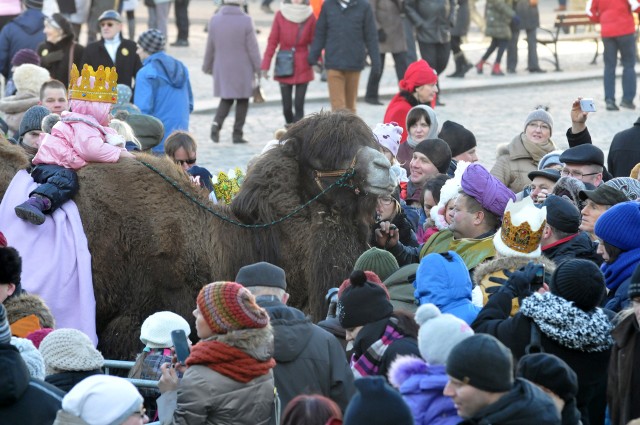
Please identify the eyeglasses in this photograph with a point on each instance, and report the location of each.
(185, 161)
(386, 200)
(107, 24)
(540, 126)
(577, 174)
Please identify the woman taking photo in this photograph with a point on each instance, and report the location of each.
(389, 209)
(293, 29)
(59, 51)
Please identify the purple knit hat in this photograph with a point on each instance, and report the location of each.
(23, 56)
(478, 183)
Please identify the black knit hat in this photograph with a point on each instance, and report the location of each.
(580, 281)
(32, 119)
(483, 362)
(634, 287)
(362, 301)
(438, 152)
(457, 137)
(262, 274)
(562, 214)
(376, 403)
(551, 372)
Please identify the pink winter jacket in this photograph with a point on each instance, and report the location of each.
(76, 140)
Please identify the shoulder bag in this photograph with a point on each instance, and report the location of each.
(285, 58)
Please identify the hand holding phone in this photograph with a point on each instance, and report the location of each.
(181, 345)
(587, 105)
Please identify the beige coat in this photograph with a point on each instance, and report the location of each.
(388, 18)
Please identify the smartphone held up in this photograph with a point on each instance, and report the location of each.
(181, 345)
(587, 105)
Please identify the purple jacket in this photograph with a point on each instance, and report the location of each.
(421, 386)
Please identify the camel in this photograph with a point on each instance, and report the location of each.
(155, 240)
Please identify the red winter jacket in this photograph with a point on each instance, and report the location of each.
(615, 16)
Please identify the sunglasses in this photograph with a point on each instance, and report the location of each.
(107, 24)
(185, 161)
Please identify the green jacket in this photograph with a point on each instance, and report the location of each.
(498, 15)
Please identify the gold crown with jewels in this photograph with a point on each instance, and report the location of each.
(104, 86)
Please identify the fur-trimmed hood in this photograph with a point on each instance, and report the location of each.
(258, 343)
(511, 263)
(25, 305)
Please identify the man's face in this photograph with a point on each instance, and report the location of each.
(6, 290)
(587, 173)
(109, 28)
(463, 222)
(32, 138)
(55, 100)
(590, 214)
(468, 400)
(540, 185)
(421, 169)
(469, 156)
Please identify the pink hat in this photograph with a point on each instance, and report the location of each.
(418, 74)
(490, 192)
(389, 135)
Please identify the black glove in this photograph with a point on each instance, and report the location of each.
(519, 283)
(382, 36)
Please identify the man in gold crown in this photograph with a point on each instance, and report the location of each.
(80, 137)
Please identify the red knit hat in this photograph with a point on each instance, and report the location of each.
(229, 306)
(418, 74)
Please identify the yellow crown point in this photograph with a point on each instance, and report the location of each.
(105, 81)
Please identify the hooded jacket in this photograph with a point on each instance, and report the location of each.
(23, 32)
(163, 90)
(25, 400)
(309, 360)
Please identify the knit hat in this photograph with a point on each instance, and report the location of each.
(627, 185)
(457, 137)
(124, 94)
(379, 261)
(37, 336)
(490, 192)
(23, 56)
(29, 78)
(550, 159)
(439, 333)
(620, 226)
(539, 115)
(5, 331)
(362, 299)
(69, 350)
(32, 119)
(59, 21)
(634, 286)
(418, 74)
(156, 329)
(152, 41)
(33, 4)
(376, 403)
(262, 274)
(3, 240)
(438, 152)
(562, 214)
(521, 231)
(580, 281)
(551, 372)
(31, 356)
(229, 306)
(483, 362)
(102, 400)
(388, 136)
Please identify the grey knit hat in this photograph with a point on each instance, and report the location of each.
(5, 332)
(152, 41)
(32, 119)
(69, 350)
(539, 115)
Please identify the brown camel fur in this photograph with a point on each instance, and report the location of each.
(153, 248)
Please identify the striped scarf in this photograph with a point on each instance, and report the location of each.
(369, 362)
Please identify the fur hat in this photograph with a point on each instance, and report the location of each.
(152, 41)
(550, 159)
(450, 190)
(376, 403)
(521, 232)
(229, 306)
(69, 350)
(490, 192)
(262, 274)
(362, 299)
(23, 56)
(388, 136)
(156, 329)
(418, 74)
(620, 226)
(31, 356)
(439, 333)
(551, 372)
(569, 188)
(627, 185)
(580, 281)
(24, 305)
(483, 362)
(539, 115)
(457, 137)
(634, 286)
(101, 400)
(5, 331)
(438, 152)
(379, 261)
(29, 78)
(32, 119)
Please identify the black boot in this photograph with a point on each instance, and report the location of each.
(462, 66)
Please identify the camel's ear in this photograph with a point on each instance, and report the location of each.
(292, 147)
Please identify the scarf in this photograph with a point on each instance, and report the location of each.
(567, 325)
(537, 150)
(617, 272)
(368, 363)
(228, 361)
(296, 13)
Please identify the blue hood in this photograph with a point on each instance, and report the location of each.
(169, 69)
(31, 21)
(442, 282)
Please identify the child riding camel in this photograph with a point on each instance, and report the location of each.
(81, 136)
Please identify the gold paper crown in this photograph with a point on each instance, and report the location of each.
(226, 186)
(104, 86)
(520, 238)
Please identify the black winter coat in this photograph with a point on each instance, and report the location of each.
(624, 152)
(24, 400)
(581, 246)
(127, 64)
(55, 57)
(67, 380)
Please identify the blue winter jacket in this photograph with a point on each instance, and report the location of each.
(23, 32)
(163, 90)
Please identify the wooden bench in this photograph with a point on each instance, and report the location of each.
(569, 26)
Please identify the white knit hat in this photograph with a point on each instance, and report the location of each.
(449, 190)
(156, 329)
(388, 136)
(439, 333)
(521, 232)
(31, 356)
(69, 350)
(102, 400)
